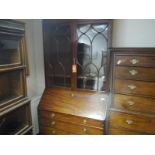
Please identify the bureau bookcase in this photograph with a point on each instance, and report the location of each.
(76, 56)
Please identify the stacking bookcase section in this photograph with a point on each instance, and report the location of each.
(11, 86)
(11, 123)
(15, 116)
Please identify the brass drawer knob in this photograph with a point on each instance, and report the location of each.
(130, 103)
(134, 61)
(84, 130)
(53, 131)
(132, 87)
(129, 122)
(53, 115)
(84, 121)
(133, 72)
(53, 123)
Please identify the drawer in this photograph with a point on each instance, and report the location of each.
(133, 103)
(134, 87)
(71, 128)
(71, 119)
(119, 131)
(137, 123)
(135, 73)
(130, 60)
(52, 131)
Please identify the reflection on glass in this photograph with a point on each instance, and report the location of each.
(91, 56)
(9, 52)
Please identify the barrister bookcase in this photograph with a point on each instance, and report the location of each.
(15, 115)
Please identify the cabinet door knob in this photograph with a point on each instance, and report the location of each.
(133, 72)
(130, 103)
(132, 87)
(53, 115)
(129, 122)
(134, 61)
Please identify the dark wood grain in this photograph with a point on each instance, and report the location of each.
(138, 123)
(134, 103)
(135, 73)
(140, 88)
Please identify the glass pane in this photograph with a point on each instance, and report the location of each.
(59, 58)
(11, 86)
(9, 52)
(14, 121)
(91, 55)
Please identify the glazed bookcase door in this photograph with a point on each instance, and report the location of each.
(10, 52)
(57, 47)
(93, 41)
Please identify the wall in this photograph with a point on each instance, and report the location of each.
(134, 33)
(126, 33)
(36, 79)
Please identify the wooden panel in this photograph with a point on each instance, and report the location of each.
(79, 103)
(137, 123)
(70, 119)
(134, 103)
(134, 60)
(119, 131)
(134, 87)
(71, 128)
(136, 73)
(52, 131)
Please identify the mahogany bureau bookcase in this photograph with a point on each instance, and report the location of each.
(76, 71)
(15, 116)
(133, 91)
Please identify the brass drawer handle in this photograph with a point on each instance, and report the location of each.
(84, 121)
(132, 87)
(131, 103)
(119, 61)
(53, 115)
(134, 61)
(53, 123)
(129, 122)
(133, 72)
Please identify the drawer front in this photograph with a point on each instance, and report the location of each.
(134, 87)
(135, 73)
(130, 60)
(133, 103)
(71, 128)
(136, 123)
(71, 119)
(119, 131)
(52, 131)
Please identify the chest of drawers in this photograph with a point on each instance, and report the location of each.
(132, 109)
(64, 112)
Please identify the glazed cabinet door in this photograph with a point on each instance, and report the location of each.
(93, 41)
(57, 48)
